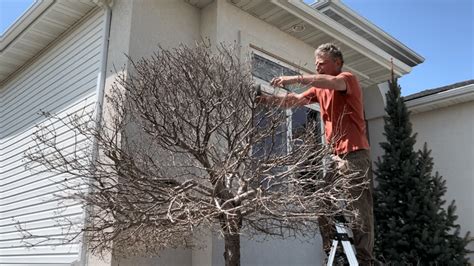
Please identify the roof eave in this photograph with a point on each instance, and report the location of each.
(36, 30)
(332, 28)
(344, 11)
(441, 99)
(29, 16)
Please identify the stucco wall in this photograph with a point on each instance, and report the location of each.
(272, 252)
(230, 24)
(449, 133)
(374, 104)
(137, 27)
(165, 22)
(375, 128)
(234, 24)
(170, 257)
(136, 30)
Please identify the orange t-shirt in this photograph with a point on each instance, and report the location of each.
(343, 115)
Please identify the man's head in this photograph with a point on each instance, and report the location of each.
(329, 59)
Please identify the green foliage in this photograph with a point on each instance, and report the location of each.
(411, 225)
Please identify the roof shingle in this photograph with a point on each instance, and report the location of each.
(438, 90)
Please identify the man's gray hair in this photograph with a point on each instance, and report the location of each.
(330, 49)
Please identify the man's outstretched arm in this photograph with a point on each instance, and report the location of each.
(284, 101)
(319, 80)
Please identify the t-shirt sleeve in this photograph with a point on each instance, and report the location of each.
(311, 94)
(351, 82)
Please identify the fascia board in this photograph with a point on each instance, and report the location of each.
(378, 33)
(442, 98)
(22, 23)
(332, 28)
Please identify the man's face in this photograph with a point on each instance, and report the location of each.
(325, 64)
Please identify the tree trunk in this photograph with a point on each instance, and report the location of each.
(231, 224)
(232, 249)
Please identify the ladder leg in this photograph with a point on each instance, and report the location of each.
(351, 257)
(346, 244)
(332, 253)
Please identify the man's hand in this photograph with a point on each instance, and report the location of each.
(283, 81)
(342, 165)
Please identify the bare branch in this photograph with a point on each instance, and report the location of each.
(188, 146)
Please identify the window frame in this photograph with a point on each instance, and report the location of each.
(266, 87)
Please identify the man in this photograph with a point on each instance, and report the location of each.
(340, 98)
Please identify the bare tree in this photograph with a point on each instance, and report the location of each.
(187, 146)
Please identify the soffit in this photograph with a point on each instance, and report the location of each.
(358, 24)
(43, 23)
(368, 60)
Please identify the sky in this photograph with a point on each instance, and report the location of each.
(440, 31)
(10, 10)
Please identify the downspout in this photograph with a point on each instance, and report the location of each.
(103, 68)
(106, 5)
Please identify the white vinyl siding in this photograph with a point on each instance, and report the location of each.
(62, 80)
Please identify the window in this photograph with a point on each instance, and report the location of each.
(297, 119)
(264, 69)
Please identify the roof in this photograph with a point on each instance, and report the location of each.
(345, 16)
(433, 99)
(438, 90)
(44, 22)
(368, 51)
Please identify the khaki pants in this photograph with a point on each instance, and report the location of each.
(364, 230)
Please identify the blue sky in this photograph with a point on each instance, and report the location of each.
(10, 10)
(441, 31)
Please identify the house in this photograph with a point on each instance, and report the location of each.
(442, 118)
(60, 57)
